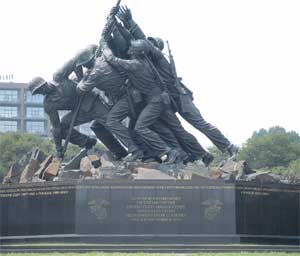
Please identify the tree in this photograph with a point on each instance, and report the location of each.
(14, 145)
(273, 148)
(219, 156)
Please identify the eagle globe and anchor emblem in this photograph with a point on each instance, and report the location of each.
(212, 209)
(99, 209)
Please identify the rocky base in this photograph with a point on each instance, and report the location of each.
(101, 165)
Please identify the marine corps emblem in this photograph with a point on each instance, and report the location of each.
(212, 209)
(99, 208)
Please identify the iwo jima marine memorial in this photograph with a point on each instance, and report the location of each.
(154, 183)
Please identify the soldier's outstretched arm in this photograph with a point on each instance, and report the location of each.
(66, 70)
(126, 65)
(107, 30)
(125, 15)
(124, 33)
(154, 51)
(119, 38)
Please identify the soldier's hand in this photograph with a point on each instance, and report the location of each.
(80, 89)
(128, 13)
(107, 53)
(124, 14)
(114, 10)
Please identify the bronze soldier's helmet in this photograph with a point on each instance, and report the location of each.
(86, 55)
(138, 46)
(158, 42)
(35, 84)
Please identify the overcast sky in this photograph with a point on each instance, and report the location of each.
(240, 58)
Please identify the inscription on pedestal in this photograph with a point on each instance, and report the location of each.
(156, 209)
(139, 208)
(34, 191)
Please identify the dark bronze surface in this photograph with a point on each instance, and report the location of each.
(178, 209)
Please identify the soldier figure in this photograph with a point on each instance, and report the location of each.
(86, 58)
(142, 78)
(144, 87)
(182, 95)
(63, 96)
(104, 77)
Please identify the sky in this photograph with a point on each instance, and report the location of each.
(241, 58)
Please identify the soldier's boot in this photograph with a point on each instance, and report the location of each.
(207, 159)
(134, 156)
(233, 150)
(182, 158)
(172, 156)
(90, 143)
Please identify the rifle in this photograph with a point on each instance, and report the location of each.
(132, 111)
(158, 76)
(112, 27)
(177, 84)
(72, 125)
(161, 82)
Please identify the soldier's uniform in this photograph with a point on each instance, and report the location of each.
(85, 58)
(142, 78)
(110, 80)
(184, 101)
(182, 95)
(63, 96)
(113, 88)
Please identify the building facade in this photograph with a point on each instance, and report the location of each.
(24, 113)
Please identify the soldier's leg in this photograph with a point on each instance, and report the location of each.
(108, 140)
(77, 138)
(146, 119)
(138, 140)
(114, 124)
(188, 142)
(99, 113)
(194, 117)
(166, 134)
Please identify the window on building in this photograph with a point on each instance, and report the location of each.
(9, 95)
(8, 126)
(8, 112)
(35, 112)
(34, 98)
(35, 127)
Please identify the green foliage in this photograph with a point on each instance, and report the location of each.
(219, 156)
(291, 173)
(73, 150)
(272, 148)
(14, 145)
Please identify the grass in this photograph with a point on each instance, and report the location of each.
(154, 254)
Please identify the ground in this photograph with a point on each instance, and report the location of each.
(155, 254)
